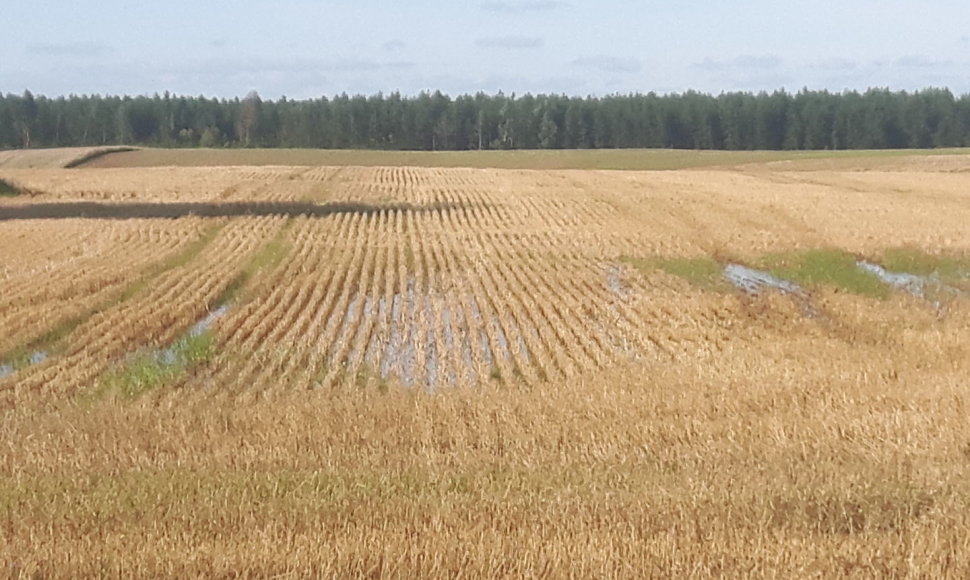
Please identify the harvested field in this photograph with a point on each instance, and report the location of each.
(426, 371)
(626, 159)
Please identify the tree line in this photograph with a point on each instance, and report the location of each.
(874, 119)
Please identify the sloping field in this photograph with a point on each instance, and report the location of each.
(407, 371)
(622, 159)
(53, 158)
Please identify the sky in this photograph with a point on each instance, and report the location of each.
(311, 48)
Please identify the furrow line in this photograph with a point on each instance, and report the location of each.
(538, 315)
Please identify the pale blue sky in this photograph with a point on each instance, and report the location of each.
(308, 48)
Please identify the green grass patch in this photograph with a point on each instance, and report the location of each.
(948, 268)
(149, 370)
(9, 189)
(703, 271)
(817, 267)
(825, 267)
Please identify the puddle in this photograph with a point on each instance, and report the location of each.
(448, 324)
(484, 346)
(395, 341)
(170, 356)
(925, 287)
(374, 345)
(614, 282)
(447, 352)
(467, 357)
(36, 357)
(753, 281)
(207, 322)
(910, 283)
(419, 337)
(430, 349)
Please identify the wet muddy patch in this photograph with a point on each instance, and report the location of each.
(824, 267)
(434, 337)
(926, 287)
(9, 368)
(147, 370)
(753, 282)
(950, 269)
(909, 283)
(614, 282)
(788, 272)
(420, 338)
(178, 353)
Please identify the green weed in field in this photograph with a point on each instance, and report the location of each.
(949, 268)
(8, 189)
(827, 267)
(150, 370)
(47, 343)
(704, 271)
(817, 267)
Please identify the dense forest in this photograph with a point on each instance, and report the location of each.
(875, 119)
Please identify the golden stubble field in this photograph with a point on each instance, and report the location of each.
(400, 371)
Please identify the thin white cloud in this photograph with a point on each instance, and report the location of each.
(742, 62)
(227, 67)
(394, 45)
(605, 63)
(920, 61)
(69, 49)
(524, 6)
(514, 42)
(835, 64)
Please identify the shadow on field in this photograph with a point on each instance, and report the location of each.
(120, 211)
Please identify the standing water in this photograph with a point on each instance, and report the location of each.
(36, 357)
(910, 283)
(170, 355)
(753, 281)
